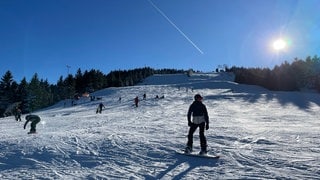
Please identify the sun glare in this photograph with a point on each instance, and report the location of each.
(279, 44)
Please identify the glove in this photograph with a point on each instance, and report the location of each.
(190, 123)
(207, 126)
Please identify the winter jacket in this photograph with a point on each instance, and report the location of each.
(31, 118)
(199, 113)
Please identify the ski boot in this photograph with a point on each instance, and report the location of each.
(188, 150)
(203, 151)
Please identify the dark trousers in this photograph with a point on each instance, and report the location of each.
(193, 128)
(34, 124)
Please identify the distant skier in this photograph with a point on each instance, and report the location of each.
(17, 114)
(34, 119)
(199, 119)
(99, 109)
(136, 101)
(144, 96)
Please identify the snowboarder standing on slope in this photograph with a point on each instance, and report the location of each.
(34, 121)
(18, 114)
(99, 109)
(200, 119)
(136, 101)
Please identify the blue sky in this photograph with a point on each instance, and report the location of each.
(44, 36)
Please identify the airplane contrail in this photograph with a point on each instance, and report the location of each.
(175, 26)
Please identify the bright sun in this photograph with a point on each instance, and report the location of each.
(279, 44)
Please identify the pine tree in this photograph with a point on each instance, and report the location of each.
(6, 91)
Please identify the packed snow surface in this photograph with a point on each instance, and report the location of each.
(259, 134)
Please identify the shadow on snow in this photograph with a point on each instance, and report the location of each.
(184, 165)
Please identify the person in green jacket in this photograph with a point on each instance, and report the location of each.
(34, 119)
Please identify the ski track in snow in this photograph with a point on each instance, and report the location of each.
(259, 134)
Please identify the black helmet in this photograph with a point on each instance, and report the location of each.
(197, 96)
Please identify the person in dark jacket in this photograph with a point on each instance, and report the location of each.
(34, 119)
(99, 109)
(136, 101)
(17, 114)
(200, 119)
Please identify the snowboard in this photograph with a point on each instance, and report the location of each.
(195, 154)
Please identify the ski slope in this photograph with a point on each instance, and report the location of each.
(259, 134)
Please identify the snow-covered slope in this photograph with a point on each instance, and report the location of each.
(258, 133)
